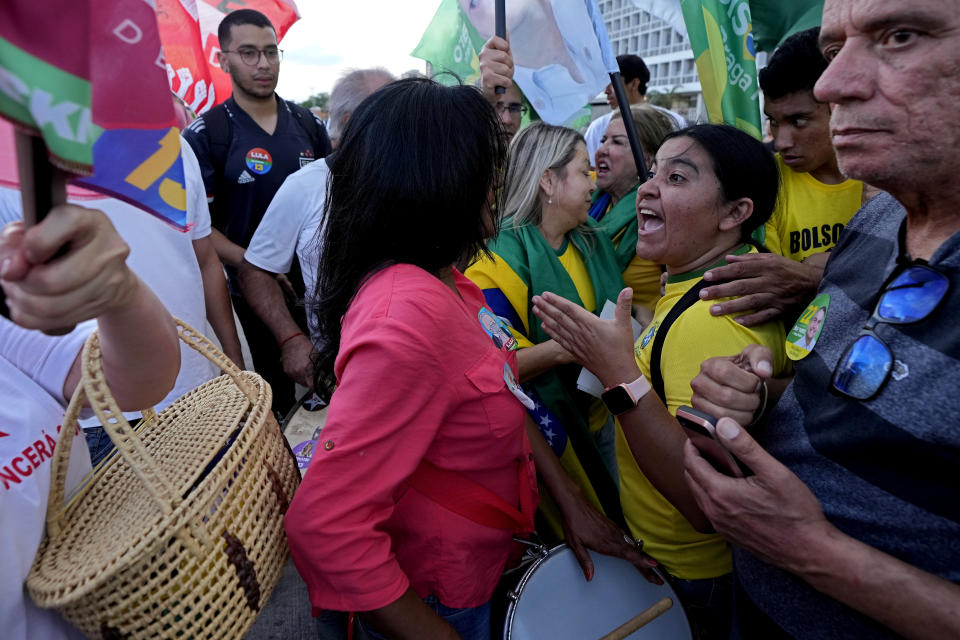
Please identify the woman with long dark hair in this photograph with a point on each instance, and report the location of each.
(424, 412)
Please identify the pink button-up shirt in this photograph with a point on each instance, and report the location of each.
(418, 379)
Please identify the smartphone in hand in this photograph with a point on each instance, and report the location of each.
(701, 429)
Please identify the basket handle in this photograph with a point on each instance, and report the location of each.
(202, 345)
(93, 387)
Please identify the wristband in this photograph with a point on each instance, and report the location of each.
(625, 396)
(289, 338)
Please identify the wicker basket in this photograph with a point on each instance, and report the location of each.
(181, 534)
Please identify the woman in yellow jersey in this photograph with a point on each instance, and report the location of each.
(614, 203)
(548, 242)
(709, 187)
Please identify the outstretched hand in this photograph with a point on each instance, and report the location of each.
(765, 284)
(772, 514)
(604, 347)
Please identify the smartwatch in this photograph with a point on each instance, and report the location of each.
(625, 396)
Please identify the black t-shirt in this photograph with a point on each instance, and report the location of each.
(256, 164)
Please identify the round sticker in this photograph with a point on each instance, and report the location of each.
(259, 160)
(805, 333)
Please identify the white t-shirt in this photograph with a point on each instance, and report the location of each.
(33, 367)
(598, 128)
(164, 259)
(292, 224)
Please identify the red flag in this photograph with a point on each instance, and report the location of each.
(188, 30)
(92, 84)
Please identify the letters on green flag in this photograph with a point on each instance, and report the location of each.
(451, 44)
(721, 37)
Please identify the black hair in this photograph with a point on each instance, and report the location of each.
(795, 66)
(410, 183)
(237, 18)
(744, 167)
(632, 67)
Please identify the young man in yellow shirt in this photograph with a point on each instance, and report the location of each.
(815, 201)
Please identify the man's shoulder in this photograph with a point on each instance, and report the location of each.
(880, 216)
(312, 176)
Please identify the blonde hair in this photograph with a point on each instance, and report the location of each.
(535, 149)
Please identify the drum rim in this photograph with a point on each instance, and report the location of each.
(528, 575)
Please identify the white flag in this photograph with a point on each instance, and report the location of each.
(557, 59)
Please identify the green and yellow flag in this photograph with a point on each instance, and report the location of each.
(721, 36)
(451, 44)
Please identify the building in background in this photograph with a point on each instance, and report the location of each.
(673, 75)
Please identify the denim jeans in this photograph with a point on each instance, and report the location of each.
(472, 623)
(99, 444)
(708, 604)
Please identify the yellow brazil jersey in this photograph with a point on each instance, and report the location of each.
(809, 215)
(694, 337)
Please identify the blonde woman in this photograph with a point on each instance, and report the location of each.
(548, 242)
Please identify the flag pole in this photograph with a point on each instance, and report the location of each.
(500, 22)
(624, 105)
(613, 68)
(42, 186)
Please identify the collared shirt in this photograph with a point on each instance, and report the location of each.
(418, 379)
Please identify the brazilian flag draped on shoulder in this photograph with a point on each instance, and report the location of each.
(525, 265)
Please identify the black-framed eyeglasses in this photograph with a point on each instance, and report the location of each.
(251, 56)
(514, 109)
(911, 294)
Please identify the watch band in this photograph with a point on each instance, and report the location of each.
(637, 389)
(625, 396)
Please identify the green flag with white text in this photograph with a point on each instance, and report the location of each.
(721, 37)
(451, 44)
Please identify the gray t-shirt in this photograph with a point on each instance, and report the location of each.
(885, 470)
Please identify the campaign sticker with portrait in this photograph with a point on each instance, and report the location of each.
(497, 329)
(515, 388)
(804, 335)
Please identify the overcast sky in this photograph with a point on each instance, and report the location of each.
(332, 36)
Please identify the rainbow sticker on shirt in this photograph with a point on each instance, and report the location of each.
(259, 160)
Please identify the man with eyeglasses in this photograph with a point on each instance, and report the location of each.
(247, 147)
(850, 526)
